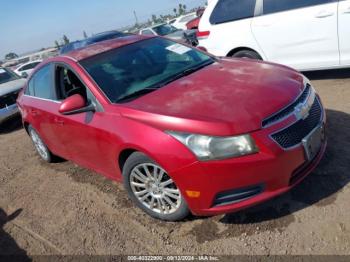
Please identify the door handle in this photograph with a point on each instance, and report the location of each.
(59, 122)
(324, 14)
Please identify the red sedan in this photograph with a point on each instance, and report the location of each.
(185, 131)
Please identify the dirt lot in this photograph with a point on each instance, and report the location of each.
(65, 209)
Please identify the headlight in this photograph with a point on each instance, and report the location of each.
(214, 148)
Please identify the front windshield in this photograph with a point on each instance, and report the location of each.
(142, 65)
(165, 29)
(7, 76)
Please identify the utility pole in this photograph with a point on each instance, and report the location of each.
(136, 19)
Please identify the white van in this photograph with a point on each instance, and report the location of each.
(304, 34)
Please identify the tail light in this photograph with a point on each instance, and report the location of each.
(203, 34)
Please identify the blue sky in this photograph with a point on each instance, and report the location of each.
(28, 25)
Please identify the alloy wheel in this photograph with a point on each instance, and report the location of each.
(39, 145)
(152, 186)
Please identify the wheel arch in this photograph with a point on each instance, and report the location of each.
(242, 48)
(26, 126)
(124, 155)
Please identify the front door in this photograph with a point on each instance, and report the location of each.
(83, 136)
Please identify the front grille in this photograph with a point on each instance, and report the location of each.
(8, 99)
(294, 134)
(289, 109)
(237, 195)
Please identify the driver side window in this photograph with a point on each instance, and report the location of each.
(68, 84)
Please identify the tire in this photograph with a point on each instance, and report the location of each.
(247, 54)
(40, 147)
(150, 190)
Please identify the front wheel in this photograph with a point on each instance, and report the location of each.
(152, 189)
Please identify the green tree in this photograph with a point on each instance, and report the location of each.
(65, 40)
(10, 56)
(175, 11)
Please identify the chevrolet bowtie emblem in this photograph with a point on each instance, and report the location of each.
(301, 111)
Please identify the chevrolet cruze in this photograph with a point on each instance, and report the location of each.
(183, 130)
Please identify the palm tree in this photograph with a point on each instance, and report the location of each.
(65, 40)
(180, 9)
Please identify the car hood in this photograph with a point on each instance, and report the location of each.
(11, 86)
(231, 96)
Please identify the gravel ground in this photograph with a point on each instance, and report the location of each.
(64, 209)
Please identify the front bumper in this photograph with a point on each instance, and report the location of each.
(8, 112)
(271, 172)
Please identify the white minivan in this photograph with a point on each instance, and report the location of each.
(304, 34)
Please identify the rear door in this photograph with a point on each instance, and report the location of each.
(301, 34)
(344, 32)
(41, 105)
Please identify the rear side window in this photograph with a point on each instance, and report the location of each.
(231, 10)
(274, 6)
(41, 83)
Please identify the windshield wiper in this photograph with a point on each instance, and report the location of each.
(137, 94)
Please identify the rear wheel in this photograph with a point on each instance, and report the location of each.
(40, 146)
(152, 189)
(247, 54)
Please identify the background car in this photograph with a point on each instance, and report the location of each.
(10, 86)
(306, 35)
(181, 21)
(183, 130)
(194, 23)
(26, 69)
(169, 31)
(92, 40)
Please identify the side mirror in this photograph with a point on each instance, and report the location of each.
(75, 104)
(24, 75)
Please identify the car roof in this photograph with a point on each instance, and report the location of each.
(153, 26)
(91, 40)
(104, 46)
